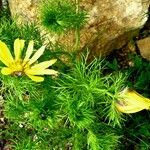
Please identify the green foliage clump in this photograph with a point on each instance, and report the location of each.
(77, 109)
(109, 141)
(88, 86)
(9, 31)
(60, 16)
(135, 130)
(139, 75)
(70, 111)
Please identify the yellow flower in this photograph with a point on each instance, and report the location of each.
(18, 66)
(132, 102)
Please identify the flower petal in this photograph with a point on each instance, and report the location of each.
(36, 78)
(6, 71)
(132, 102)
(49, 72)
(29, 50)
(5, 55)
(37, 55)
(18, 47)
(41, 72)
(44, 65)
(128, 109)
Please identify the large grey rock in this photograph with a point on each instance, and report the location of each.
(110, 25)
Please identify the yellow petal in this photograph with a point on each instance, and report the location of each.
(44, 65)
(133, 98)
(6, 71)
(128, 109)
(36, 78)
(5, 55)
(29, 50)
(132, 102)
(18, 47)
(41, 72)
(49, 72)
(37, 55)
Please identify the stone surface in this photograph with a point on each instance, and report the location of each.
(110, 25)
(24, 10)
(144, 47)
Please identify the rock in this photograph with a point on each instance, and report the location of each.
(144, 47)
(111, 24)
(23, 10)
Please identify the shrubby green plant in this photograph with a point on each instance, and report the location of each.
(139, 74)
(77, 109)
(61, 16)
(135, 129)
(73, 110)
(9, 31)
(88, 85)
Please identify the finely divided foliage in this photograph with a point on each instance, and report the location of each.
(75, 110)
(57, 111)
(61, 16)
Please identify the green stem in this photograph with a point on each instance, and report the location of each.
(77, 6)
(77, 39)
(77, 32)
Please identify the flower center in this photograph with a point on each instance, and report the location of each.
(18, 73)
(18, 67)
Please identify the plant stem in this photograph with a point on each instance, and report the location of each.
(77, 39)
(77, 32)
(77, 5)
